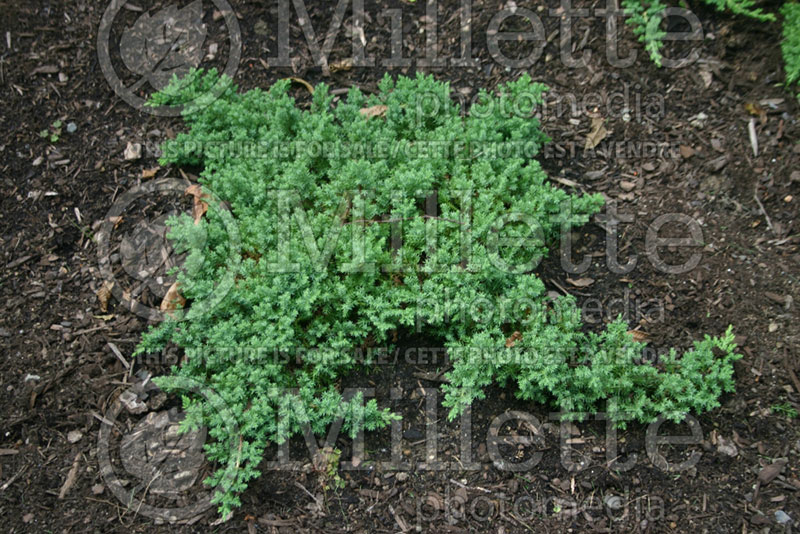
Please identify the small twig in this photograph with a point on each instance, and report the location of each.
(119, 356)
(399, 520)
(751, 129)
(385, 221)
(12, 479)
(475, 488)
(103, 419)
(309, 494)
(790, 369)
(761, 206)
(559, 286)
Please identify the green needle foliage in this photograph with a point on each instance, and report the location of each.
(790, 45)
(645, 19)
(646, 16)
(380, 214)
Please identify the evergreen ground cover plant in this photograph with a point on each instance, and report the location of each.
(646, 17)
(790, 44)
(381, 214)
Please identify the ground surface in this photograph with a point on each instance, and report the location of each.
(53, 325)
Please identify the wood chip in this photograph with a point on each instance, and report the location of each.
(275, 522)
(686, 151)
(581, 282)
(778, 299)
(72, 476)
(19, 261)
(45, 69)
(770, 472)
(564, 181)
(149, 173)
(119, 355)
(751, 130)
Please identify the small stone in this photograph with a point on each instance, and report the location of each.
(782, 517)
(401, 477)
(97, 489)
(72, 127)
(627, 186)
(699, 120)
(133, 151)
(132, 402)
(726, 447)
(212, 50)
(74, 436)
(613, 502)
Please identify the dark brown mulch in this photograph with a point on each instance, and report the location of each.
(60, 373)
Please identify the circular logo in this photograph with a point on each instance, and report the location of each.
(151, 465)
(166, 43)
(136, 258)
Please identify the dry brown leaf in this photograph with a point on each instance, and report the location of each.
(345, 64)
(638, 335)
(302, 82)
(200, 206)
(581, 282)
(103, 294)
(511, 341)
(597, 134)
(686, 151)
(565, 181)
(172, 300)
(753, 109)
(374, 111)
(149, 173)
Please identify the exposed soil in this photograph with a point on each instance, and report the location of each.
(60, 373)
